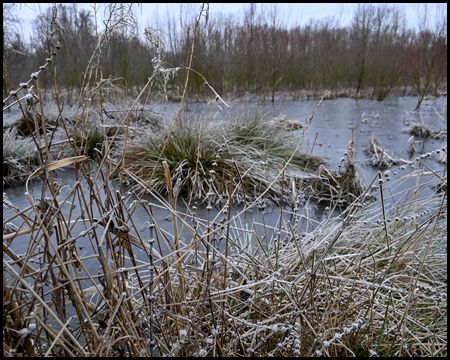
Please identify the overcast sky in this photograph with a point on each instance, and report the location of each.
(291, 13)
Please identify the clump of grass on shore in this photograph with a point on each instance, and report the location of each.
(91, 134)
(204, 156)
(285, 123)
(342, 186)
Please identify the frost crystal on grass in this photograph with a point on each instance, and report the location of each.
(24, 331)
(372, 353)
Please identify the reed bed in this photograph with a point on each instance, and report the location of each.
(369, 281)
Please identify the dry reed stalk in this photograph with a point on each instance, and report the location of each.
(379, 157)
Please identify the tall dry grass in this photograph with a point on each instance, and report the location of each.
(369, 282)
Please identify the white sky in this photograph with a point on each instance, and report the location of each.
(291, 13)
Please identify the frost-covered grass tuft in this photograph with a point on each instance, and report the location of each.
(20, 157)
(204, 156)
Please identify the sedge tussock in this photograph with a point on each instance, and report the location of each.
(20, 157)
(201, 157)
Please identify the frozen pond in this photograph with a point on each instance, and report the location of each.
(331, 129)
(327, 136)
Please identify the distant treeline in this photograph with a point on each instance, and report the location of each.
(255, 53)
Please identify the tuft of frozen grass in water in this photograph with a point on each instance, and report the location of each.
(20, 157)
(249, 148)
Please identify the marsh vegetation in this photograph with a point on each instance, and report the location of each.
(369, 278)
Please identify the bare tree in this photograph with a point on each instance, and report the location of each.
(257, 52)
(362, 27)
(386, 53)
(428, 52)
(14, 53)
